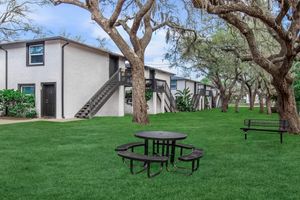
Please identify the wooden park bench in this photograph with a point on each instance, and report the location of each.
(271, 126)
(146, 159)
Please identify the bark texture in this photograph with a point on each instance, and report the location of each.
(138, 81)
(225, 98)
(261, 104)
(286, 102)
(269, 105)
(239, 97)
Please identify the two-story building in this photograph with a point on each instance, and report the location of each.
(66, 77)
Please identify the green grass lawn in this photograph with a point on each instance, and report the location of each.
(76, 160)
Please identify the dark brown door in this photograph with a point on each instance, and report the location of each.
(113, 65)
(48, 100)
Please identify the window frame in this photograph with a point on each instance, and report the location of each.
(28, 55)
(171, 84)
(27, 85)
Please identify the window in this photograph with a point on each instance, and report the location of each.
(35, 54)
(28, 89)
(173, 84)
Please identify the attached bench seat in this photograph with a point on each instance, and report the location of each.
(132, 145)
(196, 154)
(143, 158)
(277, 126)
(184, 146)
(193, 157)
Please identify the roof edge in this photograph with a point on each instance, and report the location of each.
(64, 39)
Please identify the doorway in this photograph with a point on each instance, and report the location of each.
(113, 65)
(48, 100)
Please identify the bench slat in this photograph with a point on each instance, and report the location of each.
(266, 130)
(280, 124)
(196, 153)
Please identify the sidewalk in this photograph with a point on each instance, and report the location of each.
(14, 121)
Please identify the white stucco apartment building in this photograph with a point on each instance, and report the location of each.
(200, 92)
(66, 77)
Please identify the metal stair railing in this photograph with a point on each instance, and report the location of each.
(162, 86)
(195, 101)
(94, 103)
(115, 77)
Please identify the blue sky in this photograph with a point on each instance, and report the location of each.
(77, 22)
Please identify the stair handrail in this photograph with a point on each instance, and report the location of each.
(112, 78)
(170, 96)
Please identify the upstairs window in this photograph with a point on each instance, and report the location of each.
(35, 54)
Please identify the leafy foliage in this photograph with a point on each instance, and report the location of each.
(15, 18)
(17, 104)
(184, 100)
(148, 94)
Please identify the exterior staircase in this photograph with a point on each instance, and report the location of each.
(170, 98)
(100, 97)
(196, 101)
(162, 87)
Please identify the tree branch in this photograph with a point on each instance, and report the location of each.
(116, 12)
(139, 16)
(73, 2)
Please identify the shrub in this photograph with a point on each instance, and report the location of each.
(148, 94)
(17, 103)
(184, 100)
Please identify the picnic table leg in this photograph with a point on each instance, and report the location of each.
(281, 138)
(153, 147)
(167, 150)
(146, 147)
(245, 135)
(163, 148)
(172, 158)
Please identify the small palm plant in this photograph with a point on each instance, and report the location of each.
(184, 100)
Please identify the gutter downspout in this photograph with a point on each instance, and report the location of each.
(6, 72)
(63, 79)
(6, 67)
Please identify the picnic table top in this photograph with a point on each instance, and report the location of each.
(161, 135)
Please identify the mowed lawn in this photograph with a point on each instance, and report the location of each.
(76, 160)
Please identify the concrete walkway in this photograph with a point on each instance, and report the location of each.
(14, 121)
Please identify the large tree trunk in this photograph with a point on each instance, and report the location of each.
(261, 104)
(214, 101)
(286, 102)
(236, 107)
(239, 97)
(252, 97)
(268, 105)
(225, 101)
(138, 93)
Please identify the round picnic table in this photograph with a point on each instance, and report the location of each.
(165, 139)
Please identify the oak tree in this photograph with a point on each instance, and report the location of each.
(282, 20)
